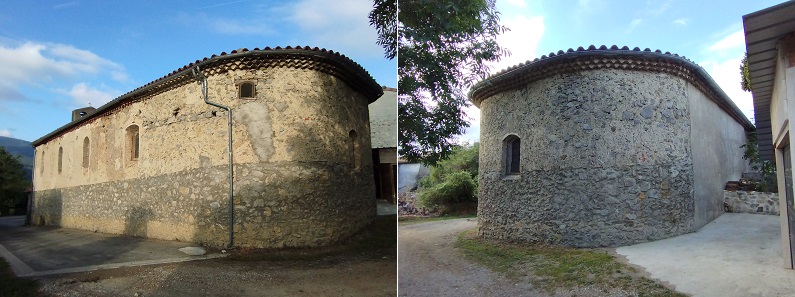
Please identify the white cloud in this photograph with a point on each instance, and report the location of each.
(681, 22)
(84, 95)
(727, 74)
(634, 24)
(471, 134)
(5, 132)
(37, 64)
(517, 3)
(237, 27)
(736, 39)
(657, 11)
(522, 40)
(65, 5)
(341, 25)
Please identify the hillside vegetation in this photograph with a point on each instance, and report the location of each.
(22, 149)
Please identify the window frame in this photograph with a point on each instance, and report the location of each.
(353, 147)
(253, 89)
(60, 159)
(86, 152)
(133, 142)
(512, 155)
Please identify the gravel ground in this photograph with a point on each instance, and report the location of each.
(429, 264)
(338, 276)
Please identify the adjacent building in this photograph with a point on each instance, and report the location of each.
(770, 44)
(383, 137)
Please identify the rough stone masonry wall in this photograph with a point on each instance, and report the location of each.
(295, 181)
(605, 160)
(751, 202)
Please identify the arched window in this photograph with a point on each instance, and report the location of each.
(512, 153)
(133, 142)
(41, 165)
(247, 90)
(353, 147)
(86, 143)
(60, 159)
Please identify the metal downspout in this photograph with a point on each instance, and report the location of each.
(201, 79)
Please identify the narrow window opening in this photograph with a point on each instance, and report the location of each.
(353, 146)
(41, 163)
(60, 159)
(133, 142)
(512, 154)
(86, 144)
(247, 90)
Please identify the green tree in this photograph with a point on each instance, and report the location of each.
(461, 158)
(12, 182)
(452, 184)
(767, 169)
(444, 48)
(384, 18)
(746, 79)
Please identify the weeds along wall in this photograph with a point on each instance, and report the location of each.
(303, 171)
(615, 147)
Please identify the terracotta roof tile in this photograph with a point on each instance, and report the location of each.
(319, 59)
(519, 75)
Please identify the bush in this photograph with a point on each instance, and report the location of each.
(451, 185)
(456, 188)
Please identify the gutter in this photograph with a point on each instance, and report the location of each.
(201, 79)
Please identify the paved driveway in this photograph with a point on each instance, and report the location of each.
(734, 255)
(34, 251)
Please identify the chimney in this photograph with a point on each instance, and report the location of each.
(81, 112)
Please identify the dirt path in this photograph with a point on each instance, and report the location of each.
(337, 277)
(430, 265)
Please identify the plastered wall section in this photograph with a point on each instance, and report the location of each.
(605, 160)
(300, 178)
(383, 121)
(716, 140)
(781, 115)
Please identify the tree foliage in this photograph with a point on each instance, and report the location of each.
(452, 181)
(444, 47)
(384, 18)
(767, 169)
(461, 159)
(746, 79)
(12, 182)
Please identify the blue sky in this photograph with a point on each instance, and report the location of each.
(56, 56)
(709, 33)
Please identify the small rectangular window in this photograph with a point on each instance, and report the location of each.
(247, 90)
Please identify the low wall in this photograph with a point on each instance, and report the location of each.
(751, 202)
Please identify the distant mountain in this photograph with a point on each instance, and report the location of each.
(21, 148)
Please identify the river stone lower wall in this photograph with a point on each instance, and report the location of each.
(751, 202)
(276, 205)
(588, 207)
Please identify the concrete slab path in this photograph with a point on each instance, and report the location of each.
(35, 251)
(734, 255)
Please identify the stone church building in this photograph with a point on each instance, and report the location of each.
(604, 147)
(154, 162)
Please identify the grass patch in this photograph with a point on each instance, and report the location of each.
(12, 286)
(411, 220)
(555, 267)
(376, 240)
